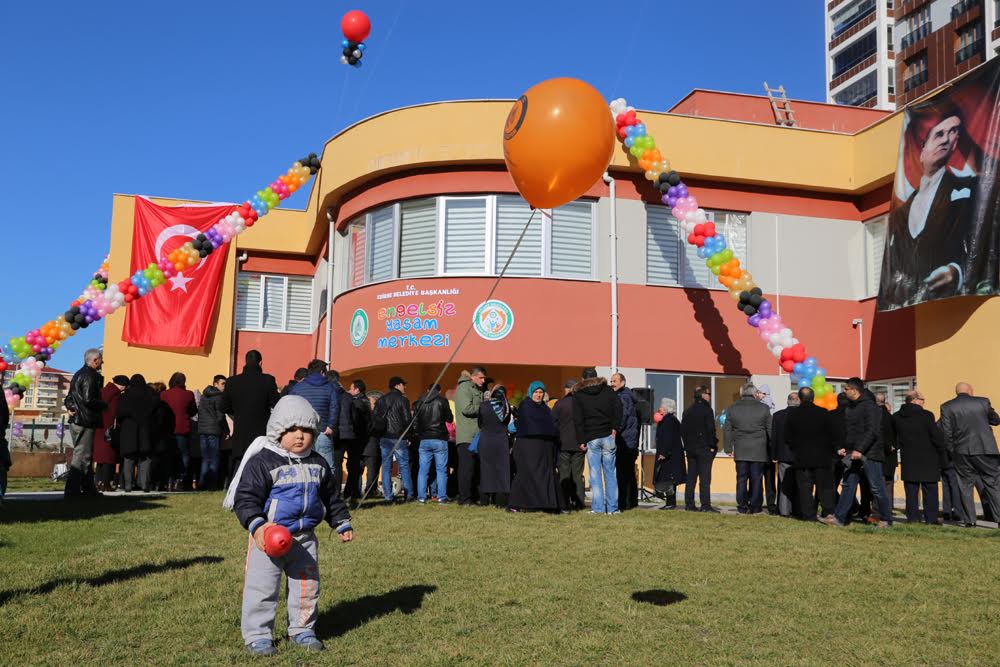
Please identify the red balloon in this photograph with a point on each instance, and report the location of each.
(355, 25)
(709, 229)
(277, 541)
(788, 365)
(3, 365)
(699, 230)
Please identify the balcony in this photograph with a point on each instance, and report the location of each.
(916, 80)
(866, 8)
(968, 51)
(963, 6)
(915, 36)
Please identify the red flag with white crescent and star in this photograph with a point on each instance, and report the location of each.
(178, 313)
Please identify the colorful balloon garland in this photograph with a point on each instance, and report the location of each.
(101, 298)
(720, 259)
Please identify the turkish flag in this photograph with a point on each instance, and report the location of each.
(179, 312)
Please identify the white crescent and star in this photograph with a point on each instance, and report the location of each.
(178, 282)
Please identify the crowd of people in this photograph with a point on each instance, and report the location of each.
(471, 445)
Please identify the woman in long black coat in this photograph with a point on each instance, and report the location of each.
(670, 470)
(921, 447)
(535, 485)
(135, 417)
(164, 442)
(494, 449)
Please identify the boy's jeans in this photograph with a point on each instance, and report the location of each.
(402, 453)
(601, 457)
(262, 584)
(436, 451)
(873, 471)
(209, 459)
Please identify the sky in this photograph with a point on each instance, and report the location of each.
(210, 100)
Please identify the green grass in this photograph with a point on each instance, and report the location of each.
(16, 484)
(157, 581)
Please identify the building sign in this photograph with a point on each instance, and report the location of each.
(412, 320)
(359, 327)
(493, 320)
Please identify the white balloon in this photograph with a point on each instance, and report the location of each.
(700, 216)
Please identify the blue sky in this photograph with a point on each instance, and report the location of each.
(211, 100)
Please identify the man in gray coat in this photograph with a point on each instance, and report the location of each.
(746, 435)
(966, 421)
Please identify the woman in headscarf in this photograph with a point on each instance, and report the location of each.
(136, 432)
(535, 485)
(669, 470)
(494, 448)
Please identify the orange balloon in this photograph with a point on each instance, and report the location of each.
(558, 141)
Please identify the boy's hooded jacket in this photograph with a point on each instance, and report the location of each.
(296, 491)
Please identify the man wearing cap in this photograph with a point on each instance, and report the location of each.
(392, 417)
(930, 235)
(571, 453)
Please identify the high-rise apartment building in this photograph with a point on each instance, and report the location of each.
(859, 53)
(938, 40)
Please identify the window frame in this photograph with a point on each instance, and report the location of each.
(261, 277)
(683, 249)
(488, 241)
(870, 273)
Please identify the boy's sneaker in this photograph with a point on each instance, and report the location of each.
(308, 641)
(262, 647)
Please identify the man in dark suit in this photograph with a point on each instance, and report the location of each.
(701, 444)
(783, 458)
(930, 236)
(966, 421)
(248, 399)
(811, 435)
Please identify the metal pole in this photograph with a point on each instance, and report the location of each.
(329, 285)
(859, 325)
(614, 271)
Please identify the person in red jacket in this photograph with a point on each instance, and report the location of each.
(105, 444)
(182, 403)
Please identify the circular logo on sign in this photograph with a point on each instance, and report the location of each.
(515, 118)
(359, 327)
(493, 319)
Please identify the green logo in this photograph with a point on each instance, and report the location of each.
(359, 327)
(493, 319)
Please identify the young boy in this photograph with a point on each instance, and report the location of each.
(283, 481)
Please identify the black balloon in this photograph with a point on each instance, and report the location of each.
(757, 291)
(203, 253)
(673, 178)
(74, 326)
(79, 319)
(755, 299)
(68, 316)
(750, 311)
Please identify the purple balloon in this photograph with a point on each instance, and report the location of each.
(754, 320)
(672, 191)
(671, 201)
(682, 190)
(665, 199)
(765, 309)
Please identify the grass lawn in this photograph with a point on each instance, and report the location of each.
(15, 484)
(157, 581)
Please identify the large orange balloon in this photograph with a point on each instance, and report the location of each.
(557, 141)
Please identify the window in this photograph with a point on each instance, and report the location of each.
(512, 215)
(274, 303)
(357, 236)
(851, 15)
(916, 72)
(888, 38)
(892, 80)
(418, 238)
(671, 260)
(895, 390)
(968, 42)
(915, 26)
(573, 240)
(854, 53)
(465, 235)
(859, 92)
(382, 227)
(875, 233)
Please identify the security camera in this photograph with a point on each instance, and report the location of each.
(857, 321)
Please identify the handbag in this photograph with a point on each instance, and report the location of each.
(474, 445)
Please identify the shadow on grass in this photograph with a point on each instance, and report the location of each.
(110, 577)
(347, 616)
(40, 511)
(659, 597)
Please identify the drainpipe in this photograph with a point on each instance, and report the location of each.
(232, 345)
(614, 272)
(859, 325)
(329, 283)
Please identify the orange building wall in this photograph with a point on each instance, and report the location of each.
(282, 352)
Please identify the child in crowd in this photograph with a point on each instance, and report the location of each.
(282, 481)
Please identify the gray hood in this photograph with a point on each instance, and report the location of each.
(291, 411)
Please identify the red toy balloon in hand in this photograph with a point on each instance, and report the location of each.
(277, 541)
(355, 25)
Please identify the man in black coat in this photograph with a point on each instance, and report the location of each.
(392, 421)
(85, 407)
(597, 412)
(966, 421)
(572, 453)
(863, 453)
(627, 449)
(248, 399)
(352, 426)
(781, 455)
(701, 443)
(432, 414)
(811, 435)
(921, 445)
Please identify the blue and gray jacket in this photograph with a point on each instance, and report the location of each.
(296, 492)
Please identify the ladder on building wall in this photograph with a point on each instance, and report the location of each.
(782, 107)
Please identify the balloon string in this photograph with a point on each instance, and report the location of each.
(378, 58)
(631, 48)
(465, 336)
